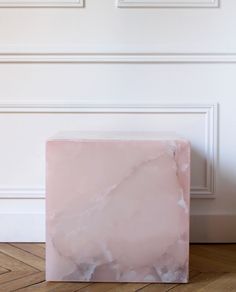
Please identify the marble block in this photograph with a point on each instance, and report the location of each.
(117, 207)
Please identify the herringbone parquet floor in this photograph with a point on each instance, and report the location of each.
(212, 269)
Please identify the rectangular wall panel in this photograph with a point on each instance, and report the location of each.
(25, 129)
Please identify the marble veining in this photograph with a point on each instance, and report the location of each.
(117, 209)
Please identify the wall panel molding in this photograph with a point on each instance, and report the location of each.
(209, 112)
(167, 3)
(41, 3)
(127, 58)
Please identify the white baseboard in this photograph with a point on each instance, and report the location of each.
(213, 228)
(31, 228)
(17, 227)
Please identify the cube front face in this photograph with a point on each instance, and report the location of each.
(117, 211)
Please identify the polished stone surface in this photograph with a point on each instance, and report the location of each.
(117, 207)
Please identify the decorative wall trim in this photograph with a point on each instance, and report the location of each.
(41, 3)
(137, 58)
(167, 3)
(209, 110)
(22, 193)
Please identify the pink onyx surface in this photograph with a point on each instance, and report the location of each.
(117, 207)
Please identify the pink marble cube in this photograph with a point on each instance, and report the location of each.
(117, 207)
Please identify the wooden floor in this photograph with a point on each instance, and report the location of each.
(212, 268)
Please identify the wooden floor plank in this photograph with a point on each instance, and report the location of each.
(40, 244)
(206, 265)
(34, 249)
(215, 258)
(128, 287)
(225, 253)
(227, 282)
(13, 275)
(22, 282)
(198, 282)
(158, 287)
(98, 287)
(231, 247)
(12, 264)
(55, 287)
(3, 270)
(27, 258)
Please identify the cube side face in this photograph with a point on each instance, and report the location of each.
(117, 211)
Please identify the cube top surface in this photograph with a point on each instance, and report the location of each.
(116, 135)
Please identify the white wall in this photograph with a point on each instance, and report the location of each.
(95, 65)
